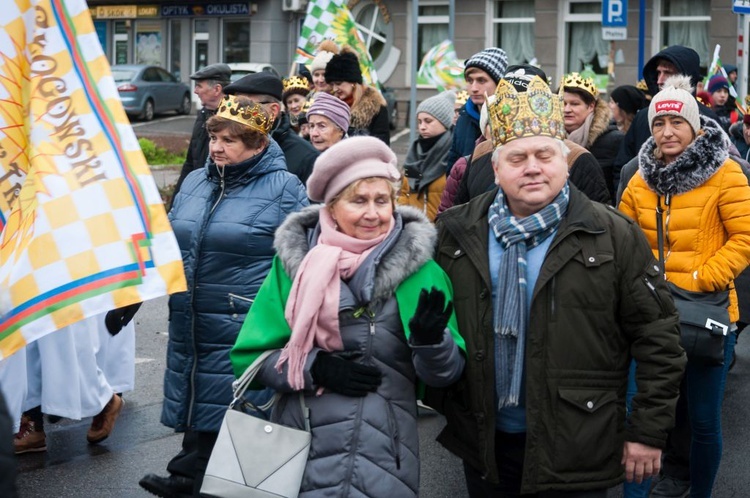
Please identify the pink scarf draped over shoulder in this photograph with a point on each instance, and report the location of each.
(312, 309)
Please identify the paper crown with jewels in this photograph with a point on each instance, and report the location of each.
(295, 83)
(306, 106)
(245, 112)
(462, 97)
(533, 113)
(575, 80)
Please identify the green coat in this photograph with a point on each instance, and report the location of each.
(266, 328)
(599, 300)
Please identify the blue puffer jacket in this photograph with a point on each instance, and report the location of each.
(227, 247)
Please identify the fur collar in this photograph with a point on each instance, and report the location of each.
(366, 108)
(410, 252)
(697, 163)
(600, 123)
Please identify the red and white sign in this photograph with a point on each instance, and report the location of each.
(669, 106)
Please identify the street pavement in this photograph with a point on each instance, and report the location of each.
(71, 468)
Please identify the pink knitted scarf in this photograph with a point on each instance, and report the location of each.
(312, 310)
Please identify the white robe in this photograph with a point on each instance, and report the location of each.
(72, 372)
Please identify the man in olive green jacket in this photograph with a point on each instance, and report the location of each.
(554, 295)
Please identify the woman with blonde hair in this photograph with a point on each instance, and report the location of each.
(369, 114)
(690, 199)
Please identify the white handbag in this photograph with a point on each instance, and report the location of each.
(254, 457)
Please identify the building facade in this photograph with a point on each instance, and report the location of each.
(558, 35)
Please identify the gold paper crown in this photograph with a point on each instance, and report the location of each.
(575, 80)
(306, 106)
(295, 83)
(247, 113)
(533, 113)
(462, 97)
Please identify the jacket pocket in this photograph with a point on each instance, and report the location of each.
(239, 306)
(586, 430)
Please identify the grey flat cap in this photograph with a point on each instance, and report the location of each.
(218, 72)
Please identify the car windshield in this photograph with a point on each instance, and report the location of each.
(239, 73)
(123, 74)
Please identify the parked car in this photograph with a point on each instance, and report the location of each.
(240, 69)
(149, 90)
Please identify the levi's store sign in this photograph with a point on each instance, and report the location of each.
(668, 106)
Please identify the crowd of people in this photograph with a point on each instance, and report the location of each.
(508, 273)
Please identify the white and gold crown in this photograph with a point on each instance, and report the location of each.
(575, 80)
(246, 112)
(535, 112)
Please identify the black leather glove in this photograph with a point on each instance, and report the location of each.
(116, 319)
(345, 376)
(430, 318)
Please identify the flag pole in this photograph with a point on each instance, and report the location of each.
(414, 69)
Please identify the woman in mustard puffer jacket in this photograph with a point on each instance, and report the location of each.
(685, 168)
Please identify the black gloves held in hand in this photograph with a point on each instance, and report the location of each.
(116, 319)
(430, 318)
(345, 376)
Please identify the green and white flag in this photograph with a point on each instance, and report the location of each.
(331, 19)
(441, 68)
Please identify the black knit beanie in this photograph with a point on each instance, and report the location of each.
(629, 98)
(343, 67)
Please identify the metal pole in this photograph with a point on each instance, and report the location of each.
(414, 68)
(641, 36)
(451, 20)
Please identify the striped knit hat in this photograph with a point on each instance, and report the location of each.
(491, 60)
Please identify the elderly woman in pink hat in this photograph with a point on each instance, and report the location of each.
(358, 313)
(327, 121)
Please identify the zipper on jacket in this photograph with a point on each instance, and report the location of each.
(653, 291)
(220, 169)
(233, 297)
(396, 445)
(194, 367)
(552, 284)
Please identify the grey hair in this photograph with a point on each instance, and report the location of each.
(563, 148)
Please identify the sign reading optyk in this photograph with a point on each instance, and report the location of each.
(614, 13)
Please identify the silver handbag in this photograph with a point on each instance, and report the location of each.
(254, 457)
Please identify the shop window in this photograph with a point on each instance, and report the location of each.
(586, 50)
(236, 41)
(120, 41)
(175, 47)
(513, 29)
(148, 43)
(433, 23)
(685, 22)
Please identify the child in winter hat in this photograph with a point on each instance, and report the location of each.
(675, 99)
(716, 83)
(440, 107)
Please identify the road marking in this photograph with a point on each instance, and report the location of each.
(400, 134)
(165, 120)
(143, 360)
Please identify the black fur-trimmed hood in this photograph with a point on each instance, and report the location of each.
(697, 163)
(601, 122)
(365, 109)
(413, 248)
